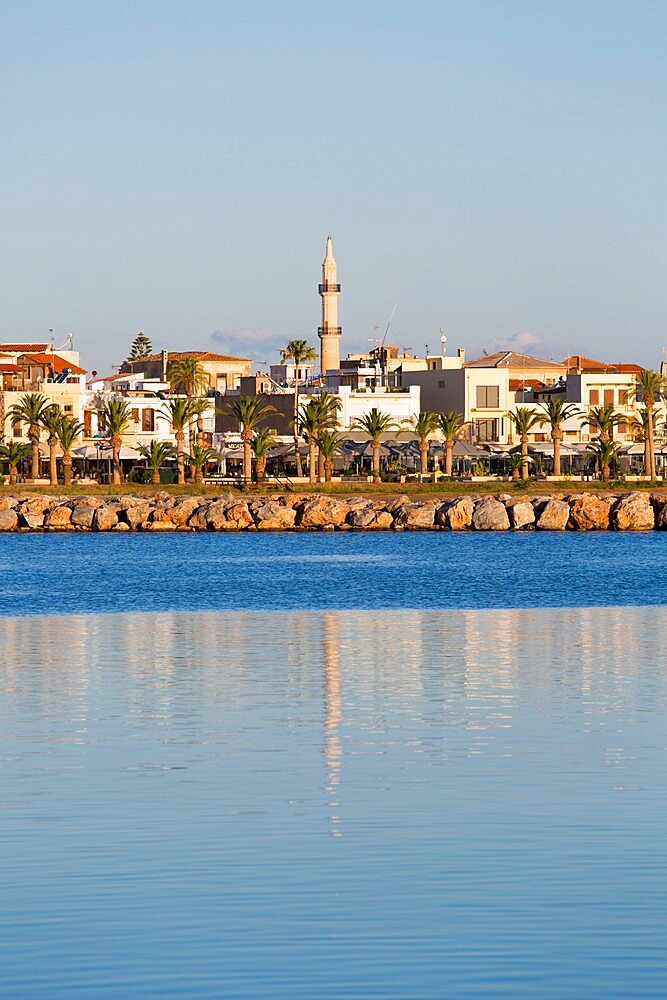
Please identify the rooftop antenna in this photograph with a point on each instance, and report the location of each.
(50, 338)
(443, 343)
(382, 365)
(66, 345)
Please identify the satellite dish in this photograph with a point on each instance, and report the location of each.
(443, 343)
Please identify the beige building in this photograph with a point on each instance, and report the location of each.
(224, 372)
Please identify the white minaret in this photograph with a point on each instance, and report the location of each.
(329, 333)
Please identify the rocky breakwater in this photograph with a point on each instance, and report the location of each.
(161, 511)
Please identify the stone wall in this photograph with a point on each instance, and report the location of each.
(161, 511)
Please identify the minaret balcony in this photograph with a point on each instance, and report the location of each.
(328, 286)
(329, 331)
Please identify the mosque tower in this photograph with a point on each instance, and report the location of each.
(329, 333)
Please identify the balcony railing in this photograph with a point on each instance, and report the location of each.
(328, 286)
(333, 331)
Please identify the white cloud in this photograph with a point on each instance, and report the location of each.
(260, 345)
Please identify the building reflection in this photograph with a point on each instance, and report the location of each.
(332, 716)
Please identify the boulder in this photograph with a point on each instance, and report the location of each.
(138, 516)
(415, 516)
(490, 515)
(8, 503)
(553, 516)
(383, 520)
(198, 518)
(238, 517)
(59, 519)
(589, 512)
(455, 514)
(183, 509)
(159, 526)
(521, 514)
(8, 520)
(633, 512)
(104, 519)
(82, 515)
(321, 512)
(361, 517)
(274, 516)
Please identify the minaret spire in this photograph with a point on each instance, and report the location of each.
(329, 333)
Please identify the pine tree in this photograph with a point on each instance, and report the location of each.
(141, 347)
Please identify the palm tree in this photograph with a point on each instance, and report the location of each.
(602, 420)
(557, 411)
(198, 459)
(263, 441)
(515, 463)
(310, 422)
(375, 424)
(69, 429)
(14, 452)
(188, 374)
(524, 419)
(328, 405)
(605, 453)
(179, 413)
(156, 454)
(248, 411)
(650, 387)
(424, 426)
(450, 424)
(50, 421)
(329, 441)
(297, 351)
(116, 416)
(29, 411)
(200, 405)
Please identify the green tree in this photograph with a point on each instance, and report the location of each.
(50, 421)
(261, 444)
(649, 389)
(515, 463)
(310, 423)
(450, 424)
(29, 410)
(329, 442)
(198, 459)
(116, 417)
(156, 454)
(604, 452)
(556, 412)
(179, 412)
(298, 351)
(248, 412)
(375, 424)
(14, 452)
(141, 348)
(188, 375)
(424, 426)
(524, 419)
(601, 420)
(69, 430)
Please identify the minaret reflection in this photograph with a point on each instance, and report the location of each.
(332, 715)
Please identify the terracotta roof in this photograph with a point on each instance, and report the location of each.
(22, 348)
(516, 384)
(511, 359)
(200, 355)
(589, 366)
(53, 361)
(7, 367)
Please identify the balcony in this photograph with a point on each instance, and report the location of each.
(329, 331)
(328, 286)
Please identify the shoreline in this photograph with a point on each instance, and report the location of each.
(164, 512)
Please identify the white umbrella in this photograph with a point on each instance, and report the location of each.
(86, 451)
(125, 453)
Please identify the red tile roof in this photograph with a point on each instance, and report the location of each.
(53, 361)
(590, 366)
(511, 359)
(516, 384)
(22, 348)
(200, 355)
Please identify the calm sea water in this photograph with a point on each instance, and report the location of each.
(333, 766)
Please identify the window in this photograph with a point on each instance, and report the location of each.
(441, 384)
(135, 415)
(594, 397)
(608, 397)
(18, 430)
(622, 427)
(488, 396)
(623, 397)
(68, 408)
(88, 423)
(487, 430)
(148, 420)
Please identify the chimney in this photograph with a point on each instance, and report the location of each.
(165, 365)
(461, 352)
(663, 369)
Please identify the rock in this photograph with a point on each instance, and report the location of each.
(455, 514)
(138, 516)
(159, 526)
(8, 520)
(198, 519)
(490, 515)
(121, 526)
(104, 519)
(361, 517)
(393, 505)
(59, 519)
(415, 516)
(383, 520)
(521, 514)
(180, 512)
(589, 512)
(274, 516)
(215, 516)
(8, 503)
(239, 517)
(553, 516)
(321, 512)
(82, 515)
(633, 512)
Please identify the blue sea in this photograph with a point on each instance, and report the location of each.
(333, 765)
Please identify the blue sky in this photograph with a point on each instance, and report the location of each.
(494, 168)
